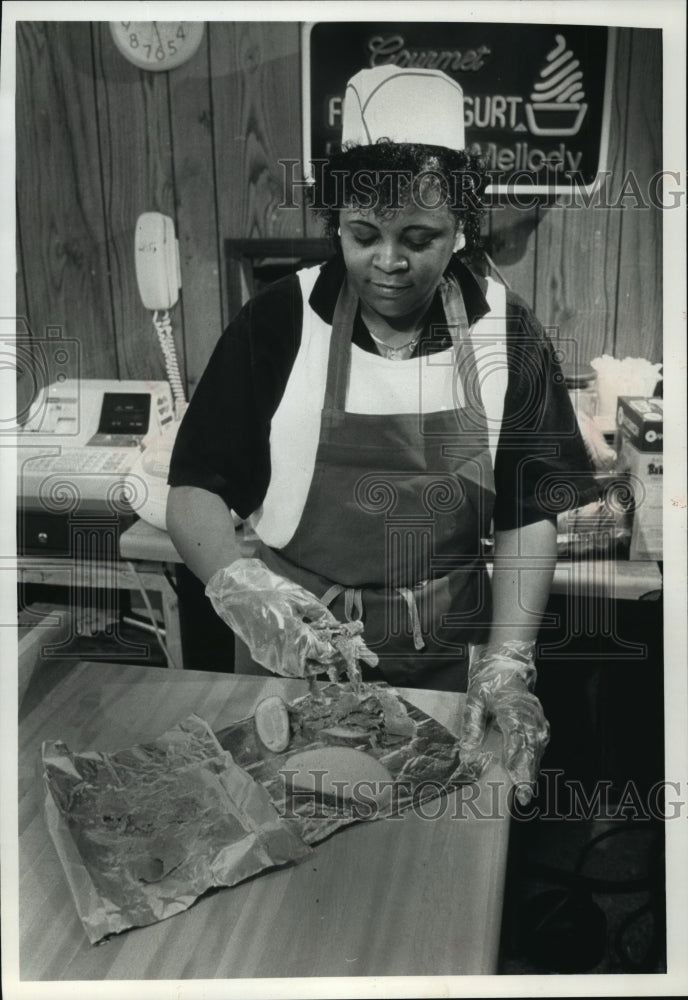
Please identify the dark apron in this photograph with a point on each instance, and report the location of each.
(392, 526)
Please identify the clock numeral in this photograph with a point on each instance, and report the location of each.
(156, 45)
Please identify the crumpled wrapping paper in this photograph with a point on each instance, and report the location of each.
(423, 766)
(143, 832)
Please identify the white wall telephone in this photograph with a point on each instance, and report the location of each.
(158, 275)
(157, 261)
(159, 280)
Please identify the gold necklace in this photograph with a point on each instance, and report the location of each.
(394, 353)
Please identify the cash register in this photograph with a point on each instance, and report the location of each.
(76, 452)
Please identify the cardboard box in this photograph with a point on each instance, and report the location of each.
(640, 419)
(646, 475)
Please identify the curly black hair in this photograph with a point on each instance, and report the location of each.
(385, 176)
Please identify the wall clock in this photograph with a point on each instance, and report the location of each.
(157, 45)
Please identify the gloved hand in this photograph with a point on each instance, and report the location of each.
(286, 628)
(500, 682)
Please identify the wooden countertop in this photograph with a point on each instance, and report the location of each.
(398, 897)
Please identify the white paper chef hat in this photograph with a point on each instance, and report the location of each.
(403, 105)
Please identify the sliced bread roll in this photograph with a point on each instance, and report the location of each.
(339, 772)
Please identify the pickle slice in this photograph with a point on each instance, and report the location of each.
(272, 723)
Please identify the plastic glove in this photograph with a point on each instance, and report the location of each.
(286, 628)
(500, 682)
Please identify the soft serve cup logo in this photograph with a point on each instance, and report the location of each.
(557, 100)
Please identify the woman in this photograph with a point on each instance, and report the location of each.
(372, 419)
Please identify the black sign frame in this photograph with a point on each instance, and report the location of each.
(333, 51)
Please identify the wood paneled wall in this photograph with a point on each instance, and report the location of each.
(99, 142)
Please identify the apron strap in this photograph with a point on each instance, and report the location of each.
(454, 310)
(353, 600)
(414, 617)
(339, 360)
(331, 593)
(353, 604)
(464, 357)
(353, 607)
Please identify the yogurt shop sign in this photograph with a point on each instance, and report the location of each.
(537, 97)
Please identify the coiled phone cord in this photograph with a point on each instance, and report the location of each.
(163, 328)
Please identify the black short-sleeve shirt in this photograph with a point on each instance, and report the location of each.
(223, 444)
